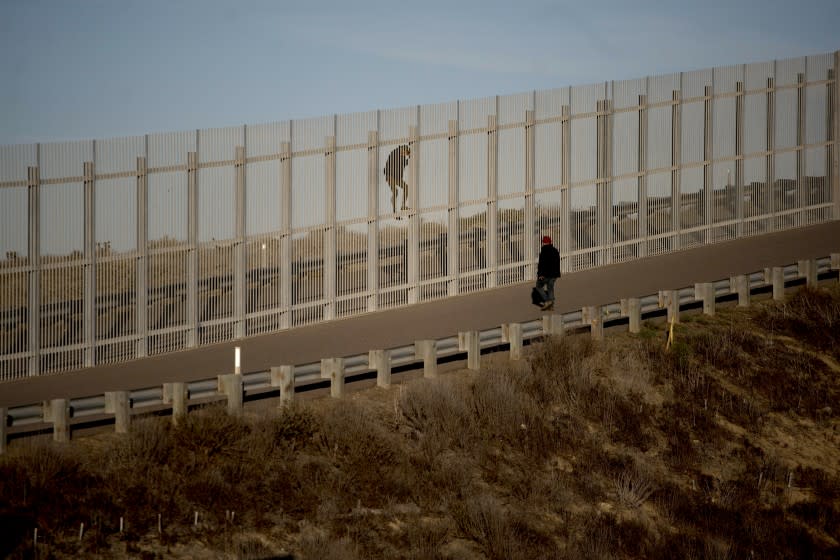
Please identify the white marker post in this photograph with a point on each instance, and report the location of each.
(237, 363)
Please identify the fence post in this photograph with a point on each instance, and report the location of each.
(285, 212)
(193, 273)
(372, 225)
(491, 223)
(530, 175)
(453, 230)
(240, 289)
(512, 334)
(641, 166)
(413, 250)
(57, 411)
(330, 233)
(231, 386)
(142, 254)
(742, 287)
(426, 350)
(676, 161)
(4, 422)
(333, 369)
(283, 377)
(834, 126)
(632, 308)
(469, 341)
(593, 316)
(777, 277)
(33, 328)
(705, 292)
(808, 269)
(118, 404)
(670, 299)
(89, 329)
(380, 360)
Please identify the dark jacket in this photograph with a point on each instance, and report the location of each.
(549, 265)
(397, 160)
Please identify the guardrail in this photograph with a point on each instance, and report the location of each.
(118, 407)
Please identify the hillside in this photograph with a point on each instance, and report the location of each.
(725, 446)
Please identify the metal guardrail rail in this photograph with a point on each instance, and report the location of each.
(34, 417)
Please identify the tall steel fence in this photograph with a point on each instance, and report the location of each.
(125, 248)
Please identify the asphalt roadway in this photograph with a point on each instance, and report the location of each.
(436, 319)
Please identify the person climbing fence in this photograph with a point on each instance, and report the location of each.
(394, 169)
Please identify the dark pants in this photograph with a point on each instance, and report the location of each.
(546, 287)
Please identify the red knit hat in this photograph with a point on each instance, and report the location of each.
(546, 239)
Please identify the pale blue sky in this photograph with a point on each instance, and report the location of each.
(78, 69)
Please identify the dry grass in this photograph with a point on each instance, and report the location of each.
(724, 447)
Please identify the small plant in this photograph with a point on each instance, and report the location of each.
(633, 488)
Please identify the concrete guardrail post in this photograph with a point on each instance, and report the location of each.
(231, 386)
(593, 316)
(835, 264)
(4, 422)
(283, 377)
(333, 369)
(118, 404)
(426, 350)
(176, 395)
(57, 411)
(632, 309)
(380, 360)
(705, 292)
(670, 299)
(512, 334)
(808, 270)
(777, 278)
(741, 285)
(469, 341)
(552, 325)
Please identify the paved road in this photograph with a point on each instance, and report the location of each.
(439, 318)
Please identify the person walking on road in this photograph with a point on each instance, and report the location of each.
(548, 271)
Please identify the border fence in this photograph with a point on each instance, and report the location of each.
(117, 249)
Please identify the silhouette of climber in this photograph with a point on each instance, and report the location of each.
(394, 167)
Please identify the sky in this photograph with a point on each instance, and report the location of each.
(85, 69)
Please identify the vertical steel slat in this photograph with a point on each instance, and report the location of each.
(285, 232)
(193, 273)
(34, 252)
(491, 221)
(90, 290)
(141, 284)
(329, 254)
(373, 219)
(834, 132)
(454, 245)
(771, 147)
(528, 227)
(413, 242)
(239, 262)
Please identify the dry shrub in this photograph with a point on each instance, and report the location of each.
(633, 487)
(439, 412)
(365, 453)
(726, 348)
(483, 519)
(557, 367)
(318, 545)
(603, 537)
(502, 412)
(810, 314)
(424, 540)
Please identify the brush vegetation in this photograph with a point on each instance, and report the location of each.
(726, 446)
